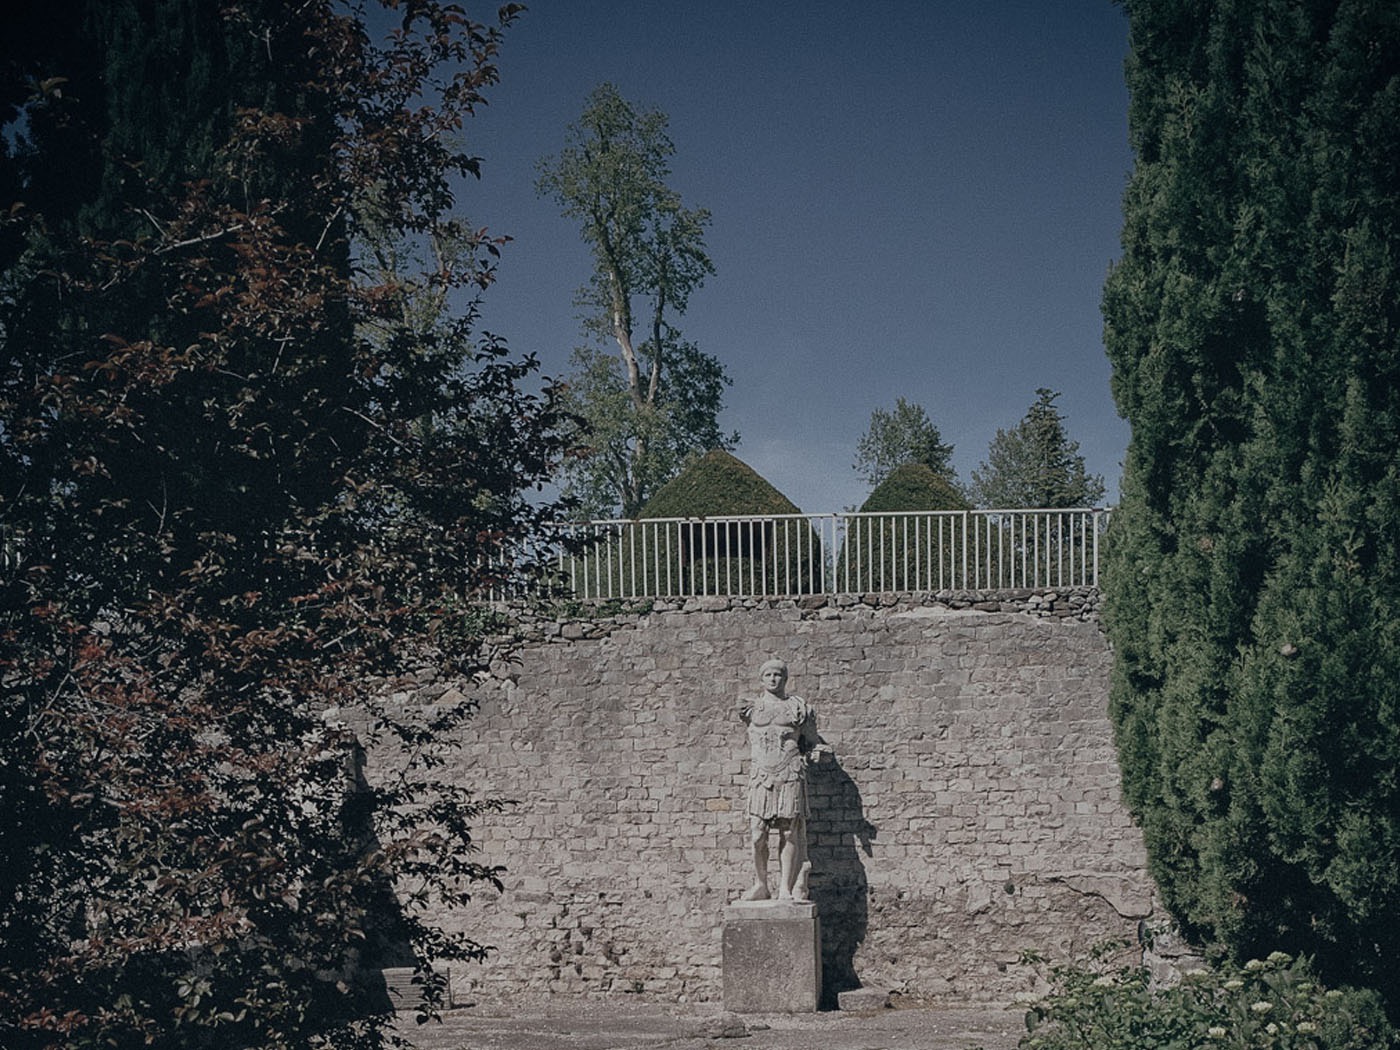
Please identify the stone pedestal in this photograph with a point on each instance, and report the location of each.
(772, 957)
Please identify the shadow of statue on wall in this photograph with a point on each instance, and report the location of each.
(384, 964)
(837, 834)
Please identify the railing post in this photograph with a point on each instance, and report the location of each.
(1096, 513)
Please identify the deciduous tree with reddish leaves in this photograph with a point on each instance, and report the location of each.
(255, 463)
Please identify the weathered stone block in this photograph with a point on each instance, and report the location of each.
(772, 957)
(863, 1000)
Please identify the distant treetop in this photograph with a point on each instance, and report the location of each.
(1035, 464)
(902, 435)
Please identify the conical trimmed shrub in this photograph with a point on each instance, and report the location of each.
(892, 544)
(677, 548)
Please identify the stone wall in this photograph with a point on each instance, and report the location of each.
(971, 811)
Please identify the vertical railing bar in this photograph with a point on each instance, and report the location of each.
(595, 556)
(734, 570)
(977, 579)
(1025, 576)
(760, 581)
(788, 525)
(844, 569)
(789, 534)
(1083, 549)
(738, 563)
(860, 583)
(976, 522)
(921, 525)
(631, 534)
(1060, 545)
(654, 581)
(569, 572)
(977, 553)
(606, 592)
(704, 559)
(986, 553)
(732, 567)
(844, 528)
(1035, 551)
(664, 559)
(990, 524)
(1095, 548)
(653, 570)
(601, 562)
(839, 526)
(940, 553)
(902, 584)
(599, 558)
(753, 584)
(739, 570)
(853, 525)
(945, 552)
(802, 536)
(614, 578)
(1034, 544)
(1001, 554)
(965, 545)
(881, 526)
(920, 577)
(828, 585)
(874, 571)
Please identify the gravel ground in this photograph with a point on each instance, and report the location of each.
(552, 1024)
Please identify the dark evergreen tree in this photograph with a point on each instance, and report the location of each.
(903, 434)
(224, 516)
(1036, 464)
(1253, 583)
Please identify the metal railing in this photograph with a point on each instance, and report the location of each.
(853, 553)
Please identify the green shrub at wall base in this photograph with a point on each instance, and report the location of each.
(1267, 1004)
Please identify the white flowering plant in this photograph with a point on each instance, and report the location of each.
(1274, 1003)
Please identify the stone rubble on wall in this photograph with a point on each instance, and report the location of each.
(972, 813)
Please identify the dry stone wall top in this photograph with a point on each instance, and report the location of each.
(971, 812)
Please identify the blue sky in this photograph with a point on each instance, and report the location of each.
(910, 199)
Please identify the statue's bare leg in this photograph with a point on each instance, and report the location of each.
(787, 859)
(804, 866)
(759, 833)
(793, 859)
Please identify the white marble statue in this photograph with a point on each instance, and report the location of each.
(782, 736)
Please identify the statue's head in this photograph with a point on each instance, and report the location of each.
(773, 674)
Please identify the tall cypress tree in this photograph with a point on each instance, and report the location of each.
(1253, 325)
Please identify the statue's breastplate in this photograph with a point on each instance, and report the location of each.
(773, 738)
